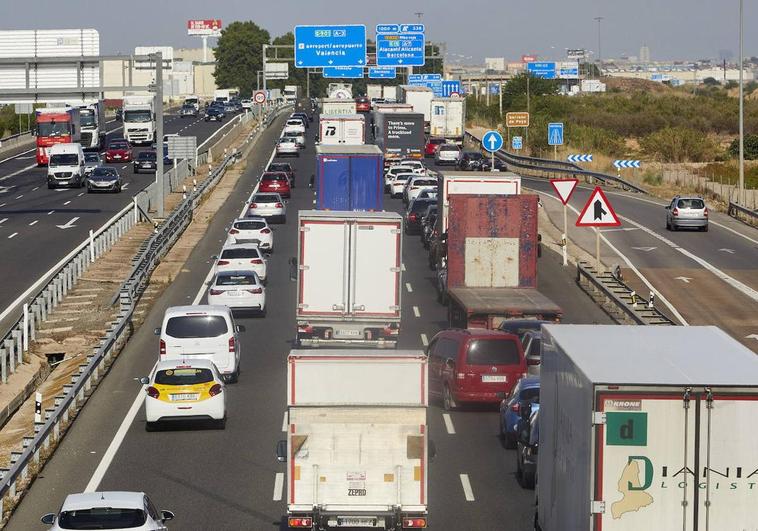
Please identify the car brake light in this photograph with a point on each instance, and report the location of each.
(279, 205)
(414, 523)
(253, 205)
(705, 212)
(675, 212)
(516, 407)
(257, 261)
(412, 217)
(162, 347)
(266, 231)
(234, 231)
(216, 292)
(215, 390)
(223, 262)
(152, 392)
(300, 522)
(231, 344)
(533, 361)
(460, 375)
(255, 291)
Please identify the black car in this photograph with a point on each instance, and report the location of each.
(304, 116)
(518, 327)
(215, 112)
(188, 110)
(428, 223)
(528, 430)
(104, 179)
(413, 215)
(487, 163)
(470, 161)
(145, 161)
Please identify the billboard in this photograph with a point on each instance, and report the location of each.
(211, 27)
(528, 58)
(568, 70)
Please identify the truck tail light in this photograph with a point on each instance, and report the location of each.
(300, 521)
(216, 292)
(223, 262)
(215, 390)
(232, 343)
(266, 231)
(152, 392)
(234, 231)
(162, 347)
(414, 523)
(256, 261)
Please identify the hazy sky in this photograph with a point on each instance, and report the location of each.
(476, 28)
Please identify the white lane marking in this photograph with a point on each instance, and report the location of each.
(278, 486)
(125, 186)
(124, 167)
(18, 155)
(448, 423)
(13, 235)
(19, 197)
(3, 220)
(467, 490)
(416, 311)
(51, 212)
(408, 287)
(631, 266)
(33, 222)
(3, 204)
(22, 170)
(35, 188)
(115, 444)
(201, 291)
(79, 195)
(622, 229)
(424, 340)
(285, 421)
(402, 267)
(67, 202)
(736, 284)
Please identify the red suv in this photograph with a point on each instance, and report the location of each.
(432, 144)
(474, 365)
(275, 181)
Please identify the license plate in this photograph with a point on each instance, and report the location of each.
(234, 293)
(116, 156)
(355, 333)
(494, 378)
(356, 521)
(184, 396)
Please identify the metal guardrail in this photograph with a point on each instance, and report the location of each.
(740, 212)
(25, 464)
(558, 167)
(617, 298)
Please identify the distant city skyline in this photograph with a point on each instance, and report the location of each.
(672, 29)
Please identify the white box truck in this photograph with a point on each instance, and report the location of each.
(349, 278)
(92, 125)
(448, 119)
(646, 428)
(336, 106)
(139, 119)
(419, 97)
(373, 91)
(348, 130)
(474, 183)
(291, 93)
(389, 93)
(357, 449)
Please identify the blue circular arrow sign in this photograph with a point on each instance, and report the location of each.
(492, 141)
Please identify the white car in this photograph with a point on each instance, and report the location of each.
(239, 290)
(185, 389)
(398, 183)
(389, 175)
(299, 138)
(287, 145)
(294, 126)
(416, 165)
(267, 205)
(108, 510)
(242, 257)
(251, 230)
(447, 154)
(247, 104)
(427, 194)
(416, 184)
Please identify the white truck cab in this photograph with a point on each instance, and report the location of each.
(66, 166)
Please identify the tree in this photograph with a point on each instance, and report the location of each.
(238, 56)
(751, 147)
(711, 82)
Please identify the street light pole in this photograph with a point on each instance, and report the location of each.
(741, 197)
(599, 48)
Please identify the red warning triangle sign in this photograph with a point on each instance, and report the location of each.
(598, 212)
(564, 188)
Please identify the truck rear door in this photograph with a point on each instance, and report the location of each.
(322, 267)
(375, 258)
(366, 184)
(334, 182)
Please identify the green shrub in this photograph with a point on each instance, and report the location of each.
(750, 147)
(678, 144)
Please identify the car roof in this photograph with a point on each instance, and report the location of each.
(210, 309)
(251, 218)
(119, 499)
(240, 246)
(236, 272)
(266, 194)
(187, 362)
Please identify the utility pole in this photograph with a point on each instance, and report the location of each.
(741, 197)
(599, 48)
(158, 106)
(265, 48)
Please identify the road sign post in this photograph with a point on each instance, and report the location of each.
(598, 212)
(492, 141)
(564, 188)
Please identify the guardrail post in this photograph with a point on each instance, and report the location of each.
(91, 246)
(26, 327)
(18, 341)
(8, 353)
(3, 365)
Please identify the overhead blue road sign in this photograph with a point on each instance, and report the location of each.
(385, 72)
(492, 141)
(495, 89)
(450, 87)
(626, 164)
(579, 158)
(319, 46)
(400, 49)
(545, 70)
(555, 134)
(343, 72)
(517, 143)
(568, 70)
(387, 28)
(412, 28)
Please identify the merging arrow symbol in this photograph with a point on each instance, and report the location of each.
(644, 249)
(730, 251)
(686, 280)
(69, 224)
(5, 189)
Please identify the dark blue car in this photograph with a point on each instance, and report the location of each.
(526, 391)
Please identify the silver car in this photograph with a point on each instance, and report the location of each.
(91, 161)
(104, 179)
(268, 205)
(287, 145)
(447, 154)
(687, 212)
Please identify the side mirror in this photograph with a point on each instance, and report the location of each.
(48, 519)
(214, 257)
(281, 451)
(240, 328)
(157, 331)
(166, 516)
(144, 380)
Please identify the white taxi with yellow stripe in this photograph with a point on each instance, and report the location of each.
(184, 390)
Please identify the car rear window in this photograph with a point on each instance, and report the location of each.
(529, 394)
(184, 376)
(492, 352)
(250, 225)
(279, 167)
(403, 177)
(420, 205)
(697, 204)
(249, 252)
(449, 148)
(236, 280)
(266, 199)
(195, 326)
(102, 518)
(146, 155)
(425, 182)
(274, 177)
(436, 140)
(91, 157)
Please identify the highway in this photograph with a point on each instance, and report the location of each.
(228, 479)
(39, 226)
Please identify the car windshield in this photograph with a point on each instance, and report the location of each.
(92, 157)
(236, 280)
(196, 326)
(104, 172)
(64, 159)
(696, 204)
(146, 155)
(250, 225)
(102, 518)
(529, 393)
(419, 206)
(266, 199)
(138, 116)
(53, 128)
(184, 376)
(492, 352)
(245, 252)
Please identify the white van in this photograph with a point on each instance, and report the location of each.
(205, 332)
(66, 166)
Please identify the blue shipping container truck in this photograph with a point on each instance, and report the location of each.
(349, 178)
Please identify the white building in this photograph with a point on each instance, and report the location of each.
(644, 54)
